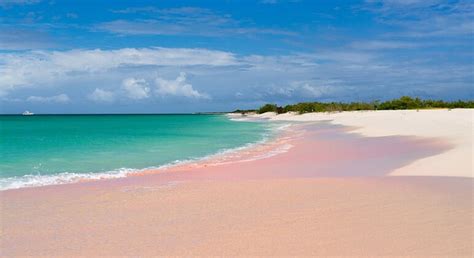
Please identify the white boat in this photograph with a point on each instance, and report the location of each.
(27, 113)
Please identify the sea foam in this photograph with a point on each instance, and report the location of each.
(239, 154)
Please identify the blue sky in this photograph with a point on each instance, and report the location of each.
(190, 56)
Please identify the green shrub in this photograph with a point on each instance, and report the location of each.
(404, 102)
(268, 108)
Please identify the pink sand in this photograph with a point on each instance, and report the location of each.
(327, 195)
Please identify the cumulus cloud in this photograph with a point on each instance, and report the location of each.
(178, 87)
(136, 88)
(61, 98)
(36, 68)
(139, 89)
(100, 95)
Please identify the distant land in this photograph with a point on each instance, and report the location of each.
(401, 103)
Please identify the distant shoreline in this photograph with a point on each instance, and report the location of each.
(402, 103)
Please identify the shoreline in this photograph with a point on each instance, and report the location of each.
(295, 134)
(267, 143)
(330, 194)
(266, 147)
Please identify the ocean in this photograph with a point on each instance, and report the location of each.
(54, 149)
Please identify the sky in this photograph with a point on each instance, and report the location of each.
(199, 56)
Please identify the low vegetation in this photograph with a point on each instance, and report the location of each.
(404, 102)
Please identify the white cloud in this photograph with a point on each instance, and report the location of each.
(14, 38)
(142, 74)
(346, 57)
(306, 89)
(136, 88)
(61, 98)
(158, 27)
(100, 95)
(403, 2)
(425, 18)
(6, 3)
(314, 91)
(378, 45)
(178, 87)
(183, 21)
(42, 68)
(72, 15)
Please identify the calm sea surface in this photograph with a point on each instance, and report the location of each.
(50, 149)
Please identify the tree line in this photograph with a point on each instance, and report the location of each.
(404, 102)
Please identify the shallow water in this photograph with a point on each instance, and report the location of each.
(48, 149)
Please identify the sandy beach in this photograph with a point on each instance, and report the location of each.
(456, 126)
(392, 183)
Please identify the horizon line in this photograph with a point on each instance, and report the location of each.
(79, 114)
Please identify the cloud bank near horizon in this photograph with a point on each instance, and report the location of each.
(132, 75)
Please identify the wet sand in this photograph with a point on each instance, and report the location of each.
(327, 195)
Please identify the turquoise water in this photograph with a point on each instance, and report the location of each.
(48, 149)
